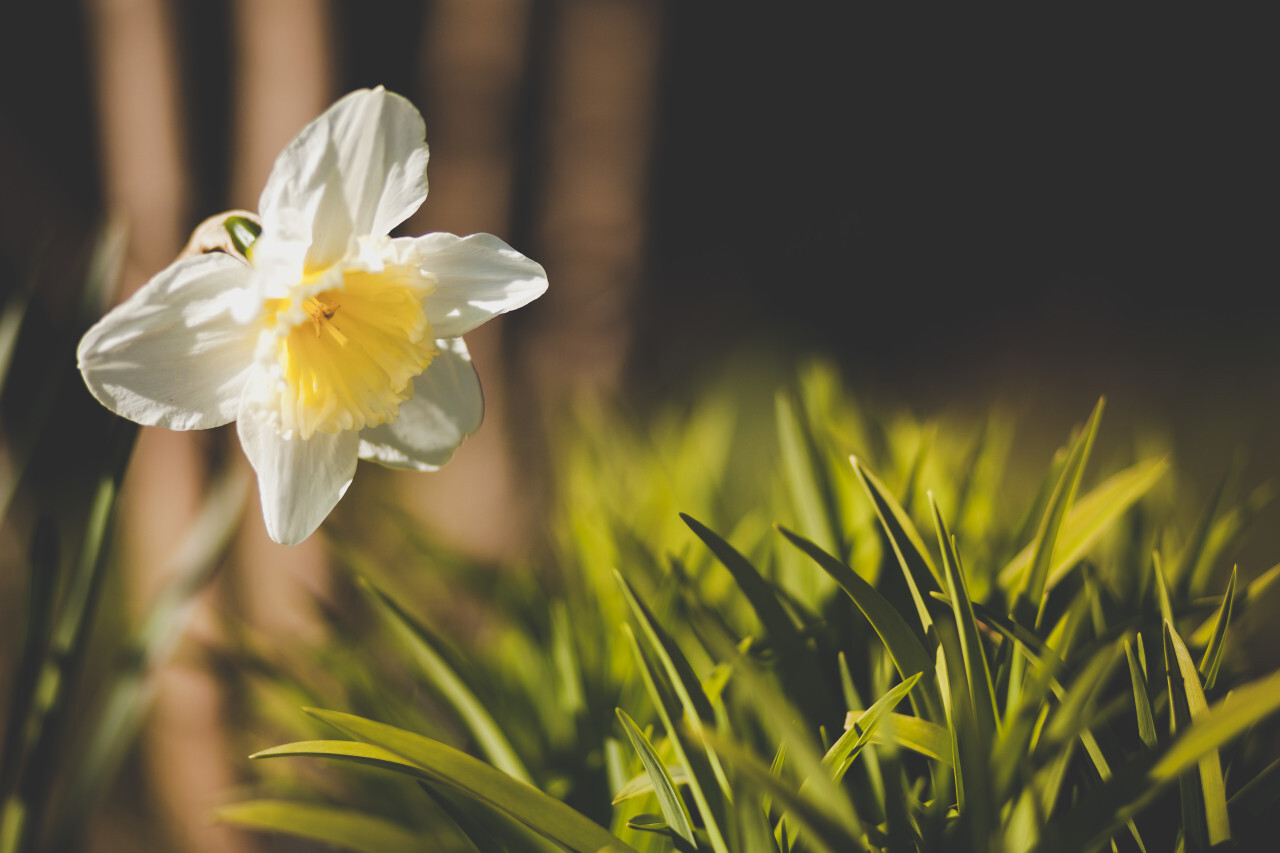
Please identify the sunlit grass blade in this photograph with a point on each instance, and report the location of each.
(904, 647)
(1030, 601)
(677, 670)
(699, 783)
(1142, 700)
(825, 826)
(643, 784)
(417, 641)
(543, 814)
(918, 569)
(354, 751)
(339, 827)
(1211, 662)
(1088, 519)
(674, 811)
(862, 728)
(920, 736)
(1186, 696)
(977, 672)
(807, 477)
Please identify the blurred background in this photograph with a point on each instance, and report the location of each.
(958, 212)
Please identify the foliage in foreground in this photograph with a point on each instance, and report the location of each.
(895, 668)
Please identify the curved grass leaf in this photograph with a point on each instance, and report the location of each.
(1088, 519)
(697, 786)
(976, 670)
(860, 729)
(1141, 700)
(640, 785)
(807, 478)
(1029, 603)
(905, 650)
(918, 569)
(1105, 809)
(354, 751)
(1186, 696)
(1211, 663)
(672, 804)
(921, 736)
(451, 687)
(345, 828)
(543, 814)
(830, 827)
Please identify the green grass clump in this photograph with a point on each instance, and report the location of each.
(915, 657)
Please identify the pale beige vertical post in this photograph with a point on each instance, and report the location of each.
(474, 56)
(140, 118)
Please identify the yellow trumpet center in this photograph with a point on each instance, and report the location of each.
(352, 361)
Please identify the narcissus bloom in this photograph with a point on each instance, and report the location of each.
(329, 341)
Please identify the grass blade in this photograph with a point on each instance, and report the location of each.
(861, 728)
(904, 647)
(1211, 663)
(1186, 696)
(918, 569)
(672, 804)
(543, 814)
(1088, 519)
(345, 828)
(451, 687)
(1141, 700)
(353, 751)
(697, 786)
(977, 672)
(1029, 604)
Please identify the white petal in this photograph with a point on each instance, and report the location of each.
(478, 277)
(358, 169)
(445, 408)
(172, 355)
(299, 482)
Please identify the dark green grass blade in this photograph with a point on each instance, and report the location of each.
(543, 814)
(42, 584)
(796, 667)
(921, 575)
(1142, 700)
(344, 828)
(1211, 662)
(1104, 810)
(904, 647)
(674, 811)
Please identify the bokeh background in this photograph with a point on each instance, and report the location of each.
(960, 211)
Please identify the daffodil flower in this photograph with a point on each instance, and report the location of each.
(329, 341)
